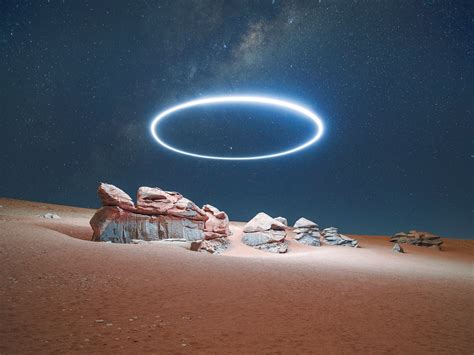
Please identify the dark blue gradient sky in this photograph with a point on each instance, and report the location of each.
(81, 81)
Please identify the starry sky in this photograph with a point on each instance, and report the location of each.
(80, 82)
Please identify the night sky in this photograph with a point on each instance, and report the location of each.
(80, 82)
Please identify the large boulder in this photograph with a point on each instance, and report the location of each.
(158, 215)
(217, 223)
(265, 233)
(113, 224)
(111, 195)
(263, 222)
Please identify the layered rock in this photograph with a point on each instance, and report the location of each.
(114, 224)
(265, 233)
(331, 236)
(157, 215)
(153, 201)
(217, 223)
(111, 195)
(413, 237)
(307, 232)
(216, 231)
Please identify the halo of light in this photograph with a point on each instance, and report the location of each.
(259, 100)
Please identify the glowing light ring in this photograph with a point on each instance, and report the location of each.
(259, 100)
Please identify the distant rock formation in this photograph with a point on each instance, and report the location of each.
(331, 236)
(157, 215)
(307, 232)
(413, 237)
(265, 233)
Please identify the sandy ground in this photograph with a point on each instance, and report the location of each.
(61, 293)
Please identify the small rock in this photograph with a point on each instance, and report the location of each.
(99, 321)
(50, 216)
(397, 248)
(214, 246)
(307, 232)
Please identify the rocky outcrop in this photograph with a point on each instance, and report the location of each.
(413, 237)
(158, 215)
(265, 233)
(111, 195)
(155, 201)
(113, 224)
(331, 236)
(307, 232)
(217, 223)
(216, 231)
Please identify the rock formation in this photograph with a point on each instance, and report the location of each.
(216, 231)
(307, 232)
(265, 233)
(111, 195)
(157, 215)
(213, 246)
(414, 237)
(217, 223)
(331, 236)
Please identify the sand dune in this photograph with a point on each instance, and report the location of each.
(61, 293)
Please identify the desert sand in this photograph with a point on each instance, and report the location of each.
(59, 292)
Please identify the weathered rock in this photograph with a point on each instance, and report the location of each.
(119, 226)
(265, 233)
(305, 223)
(50, 216)
(414, 237)
(282, 220)
(307, 232)
(155, 201)
(279, 247)
(263, 222)
(308, 239)
(217, 223)
(111, 195)
(331, 236)
(397, 248)
(258, 238)
(214, 246)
